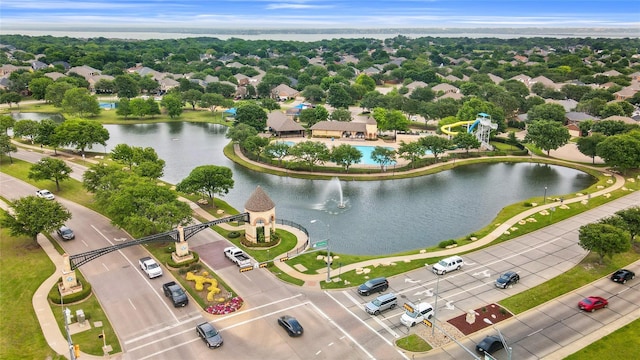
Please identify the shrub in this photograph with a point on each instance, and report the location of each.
(445, 243)
(233, 234)
(176, 265)
(54, 294)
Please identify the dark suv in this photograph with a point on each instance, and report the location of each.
(374, 285)
(507, 279)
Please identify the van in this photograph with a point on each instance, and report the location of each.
(449, 264)
(381, 303)
(374, 285)
(416, 313)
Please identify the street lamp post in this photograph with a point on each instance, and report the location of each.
(435, 306)
(545, 195)
(328, 250)
(507, 348)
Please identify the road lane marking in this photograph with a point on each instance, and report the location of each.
(236, 313)
(131, 302)
(105, 266)
(346, 333)
(153, 333)
(146, 279)
(380, 322)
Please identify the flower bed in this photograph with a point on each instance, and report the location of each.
(225, 308)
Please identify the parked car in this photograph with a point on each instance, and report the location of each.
(507, 279)
(45, 194)
(381, 303)
(65, 232)
(489, 345)
(449, 264)
(622, 276)
(593, 303)
(291, 324)
(209, 335)
(374, 285)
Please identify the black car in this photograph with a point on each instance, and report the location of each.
(291, 324)
(489, 345)
(209, 335)
(374, 285)
(507, 279)
(622, 275)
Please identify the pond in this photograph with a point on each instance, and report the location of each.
(17, 115)
(380, 217)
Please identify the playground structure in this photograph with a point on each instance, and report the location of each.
(483, 124)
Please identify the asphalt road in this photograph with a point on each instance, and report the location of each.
(336, 325)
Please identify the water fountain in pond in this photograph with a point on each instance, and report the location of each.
(332, 198)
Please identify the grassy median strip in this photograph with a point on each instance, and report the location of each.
(587, 271)
(620, 344)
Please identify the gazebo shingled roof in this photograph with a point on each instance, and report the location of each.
(259, 201)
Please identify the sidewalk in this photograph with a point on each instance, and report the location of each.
(313, 281)
(56, 339)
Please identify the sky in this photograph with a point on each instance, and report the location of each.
(319, 14)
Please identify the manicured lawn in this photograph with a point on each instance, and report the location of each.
(587, 271)
(623, 343)
(23, 267)
(413, 343)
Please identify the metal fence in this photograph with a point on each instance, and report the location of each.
(292, 224)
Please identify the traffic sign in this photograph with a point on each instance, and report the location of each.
(246, 268)
(427, 322)
(320, 244)
(409, 307)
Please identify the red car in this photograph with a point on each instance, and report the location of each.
(593, 303)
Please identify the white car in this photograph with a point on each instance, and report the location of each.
(45, 194)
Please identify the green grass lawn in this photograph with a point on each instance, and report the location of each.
(585, 272)
(23, 267)
(623, 343)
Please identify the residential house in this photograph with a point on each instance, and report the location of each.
(283, 126)
(85, 71)
(523, 79)
(445, 88)
(496, 79)
(575, 118)
(284, 92)
(54, 75)
(568, 105)
(544, 81)
(38, 65)
(93, 80)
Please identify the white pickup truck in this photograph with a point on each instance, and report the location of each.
(237, 256)
(150, 267)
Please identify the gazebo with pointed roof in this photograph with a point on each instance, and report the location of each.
(262, 217)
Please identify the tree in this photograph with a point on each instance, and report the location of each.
(270, 104)
(142, 207)
(603, 239)
(547, 135)
(620, 151)
(609, 127)
(554, 112)
(10, 98)
(278, 150)
(50, 169)
(253, 115)
(142, 161)
(79, 101)
(38, 87)
(341, 115)
(240, 132)
(366, 81)
(192, 97)
(255, 144)
(82, 134)
(46, 133)
(588, 145)
(55, 92)
(466, 141)
(313, 93)
(411, 151)
(173, 103)
(124, 108)
(311, 152)
(6, 122)
(435, 144)
(383, 156)
(32, 215)
(208, 180)
(26, 129)
(512, 140)
(338, 96)
(105, 86)
(6, 147)
(126, 86)
(345, 155)
(123, 153)
(211, 101)
(631, 219)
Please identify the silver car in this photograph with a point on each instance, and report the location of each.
(65, 233)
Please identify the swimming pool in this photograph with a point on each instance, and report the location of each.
(365, 150)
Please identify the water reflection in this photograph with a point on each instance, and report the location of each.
(382, 216)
